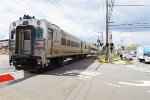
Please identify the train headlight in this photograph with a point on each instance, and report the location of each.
(12, 50)
(25, 23)
(39, 61)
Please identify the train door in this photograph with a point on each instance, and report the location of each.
(50, 42)
(24, 41)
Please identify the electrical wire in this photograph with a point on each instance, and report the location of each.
(24, 5)
(130, 5)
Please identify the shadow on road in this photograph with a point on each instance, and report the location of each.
(72, 69)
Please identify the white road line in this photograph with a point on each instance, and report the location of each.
(113, 85)
(140, 83)
(82, 74)
(148, 91)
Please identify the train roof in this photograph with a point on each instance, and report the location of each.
(48, 23)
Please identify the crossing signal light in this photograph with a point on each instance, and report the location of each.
(111, 46)
(98, 41)
(101, 44)
(107, 44)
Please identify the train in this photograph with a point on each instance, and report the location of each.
(35, 44)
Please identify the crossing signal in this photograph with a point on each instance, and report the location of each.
(98, 41)
(111, 47)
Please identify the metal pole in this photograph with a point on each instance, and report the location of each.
(98, 45)
(107, 52)
(102, 38)
(121, 41)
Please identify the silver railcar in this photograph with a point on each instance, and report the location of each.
(36, 44)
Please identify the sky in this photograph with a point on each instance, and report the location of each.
(84, 19)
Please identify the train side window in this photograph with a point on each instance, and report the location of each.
(78, 45)
(63, 41)
(38, 33)
(13, 34)
(68, 42)
(72, 43)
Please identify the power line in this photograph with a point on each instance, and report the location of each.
(28, 6)
(131, 5)
(63, 9)
(132, 28)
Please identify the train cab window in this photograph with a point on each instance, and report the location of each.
(68, 42)
(63, 41)
(38, 33)
(13, 34)
(27, 34)
(76, 45)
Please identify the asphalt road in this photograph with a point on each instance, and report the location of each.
(84, 80)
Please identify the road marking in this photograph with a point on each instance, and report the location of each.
(148, 91)
(146, 70)
(88, 74)
(141, 83)
(6, 77)
(82, 74)
(113, 85)
(98, 66)
(12, 76)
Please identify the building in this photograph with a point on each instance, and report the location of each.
(4, 46)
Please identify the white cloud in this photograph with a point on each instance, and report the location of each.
(82, 18)
(141, 38)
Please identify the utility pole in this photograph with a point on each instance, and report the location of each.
(102, 38)
(107, 49)
(98, 41)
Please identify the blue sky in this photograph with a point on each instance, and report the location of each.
(83, 18)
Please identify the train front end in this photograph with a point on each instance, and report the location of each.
(27, 44)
